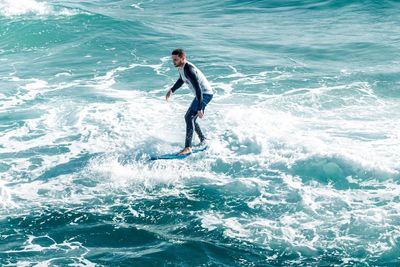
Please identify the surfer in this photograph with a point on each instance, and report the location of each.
(198, 83)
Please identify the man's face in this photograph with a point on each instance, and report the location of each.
(178, 61)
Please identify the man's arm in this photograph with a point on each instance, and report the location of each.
(191, 75)
(177, 84)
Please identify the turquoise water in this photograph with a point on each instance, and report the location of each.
(302, 168)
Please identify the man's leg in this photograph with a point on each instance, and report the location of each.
(190, 118)
(198, 130)
(206, 100)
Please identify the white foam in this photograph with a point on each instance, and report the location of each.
(11, 8)
(6, 200)
(137, 6)
(17, 8)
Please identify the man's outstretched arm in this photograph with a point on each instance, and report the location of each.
(177, 84)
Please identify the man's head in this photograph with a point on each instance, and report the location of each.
(178, 57)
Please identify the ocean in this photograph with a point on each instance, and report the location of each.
(302, 167)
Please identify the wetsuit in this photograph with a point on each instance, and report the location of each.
(198, 83)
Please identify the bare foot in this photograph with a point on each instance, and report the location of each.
(186, 150)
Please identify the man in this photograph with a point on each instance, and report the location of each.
(198, 83)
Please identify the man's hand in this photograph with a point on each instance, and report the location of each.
(200, 114)
(169, 93)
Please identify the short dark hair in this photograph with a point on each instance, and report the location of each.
(179, 52)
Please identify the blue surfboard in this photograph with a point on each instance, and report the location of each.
(176, 156)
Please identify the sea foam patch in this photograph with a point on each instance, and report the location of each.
(10, 8)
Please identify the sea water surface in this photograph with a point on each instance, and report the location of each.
(304, 133)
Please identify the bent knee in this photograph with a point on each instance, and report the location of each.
(189, 116)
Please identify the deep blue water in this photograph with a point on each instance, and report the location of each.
(304, 134)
